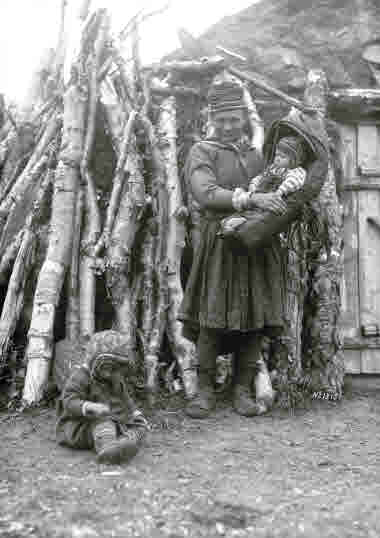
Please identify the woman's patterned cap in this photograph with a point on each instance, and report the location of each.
(224, 96)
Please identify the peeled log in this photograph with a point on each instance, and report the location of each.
(183, 349)
(17, 192)
(117, 184)
(155, 311)
(40, 346)
(92, 224)
(127, 220)
(17, 157)
(73, 306)
(122, 240)
(9, 257)
(14, 300)
(256, 123)
(354, 103)
(35, 92)
(91, 232)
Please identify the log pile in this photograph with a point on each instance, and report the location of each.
(94, 209)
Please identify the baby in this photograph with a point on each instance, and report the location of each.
(95, 410)
(283, 176)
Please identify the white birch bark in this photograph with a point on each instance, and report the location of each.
(183, 349)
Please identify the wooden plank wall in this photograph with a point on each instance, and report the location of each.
(360, 155)
(368, 149)
(350, 285)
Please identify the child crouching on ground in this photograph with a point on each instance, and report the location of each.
(96, 411)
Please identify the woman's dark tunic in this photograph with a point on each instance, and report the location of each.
(225, 290)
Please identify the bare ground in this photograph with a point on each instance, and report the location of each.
(312, 473)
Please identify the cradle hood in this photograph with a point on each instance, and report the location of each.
(308, 126)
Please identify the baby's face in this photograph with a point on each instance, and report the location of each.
(282, 159)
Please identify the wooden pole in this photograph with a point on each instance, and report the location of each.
(183, 349)
(14, 300)
(40, 345)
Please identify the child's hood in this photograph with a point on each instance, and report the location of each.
(111, 347)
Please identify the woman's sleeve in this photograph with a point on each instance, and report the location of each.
(203, 182)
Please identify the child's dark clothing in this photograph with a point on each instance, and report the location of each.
(116, 435)
(75, 429)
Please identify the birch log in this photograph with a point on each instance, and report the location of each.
(92, 224)
(183, 349)
(9, 257)
(255, 122)
(73, 329)
(128, 217)
(35, 92)
(49, 285)
(12, 220)
(119, 271)
(156, 304)
(122, 240)
(19, 152)
(14, 300)
(7, 140)
(117, 184)
(18, 190)
(87, 267)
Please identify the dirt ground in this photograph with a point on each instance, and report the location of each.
(312, 473)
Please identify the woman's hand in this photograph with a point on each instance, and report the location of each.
(93, 409)
(271, 201)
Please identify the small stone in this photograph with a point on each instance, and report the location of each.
(220, 528)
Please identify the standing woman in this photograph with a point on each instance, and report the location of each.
(230, 300)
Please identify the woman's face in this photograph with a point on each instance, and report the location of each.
(106, 371)
(229, 125)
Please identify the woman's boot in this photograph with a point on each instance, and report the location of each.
(205, 401)
(245, 370)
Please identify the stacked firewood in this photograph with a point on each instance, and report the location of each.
(66, 222)
(48, 178)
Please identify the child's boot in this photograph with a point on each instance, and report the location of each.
(105, 441)
(131, 440)
(113, 449)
